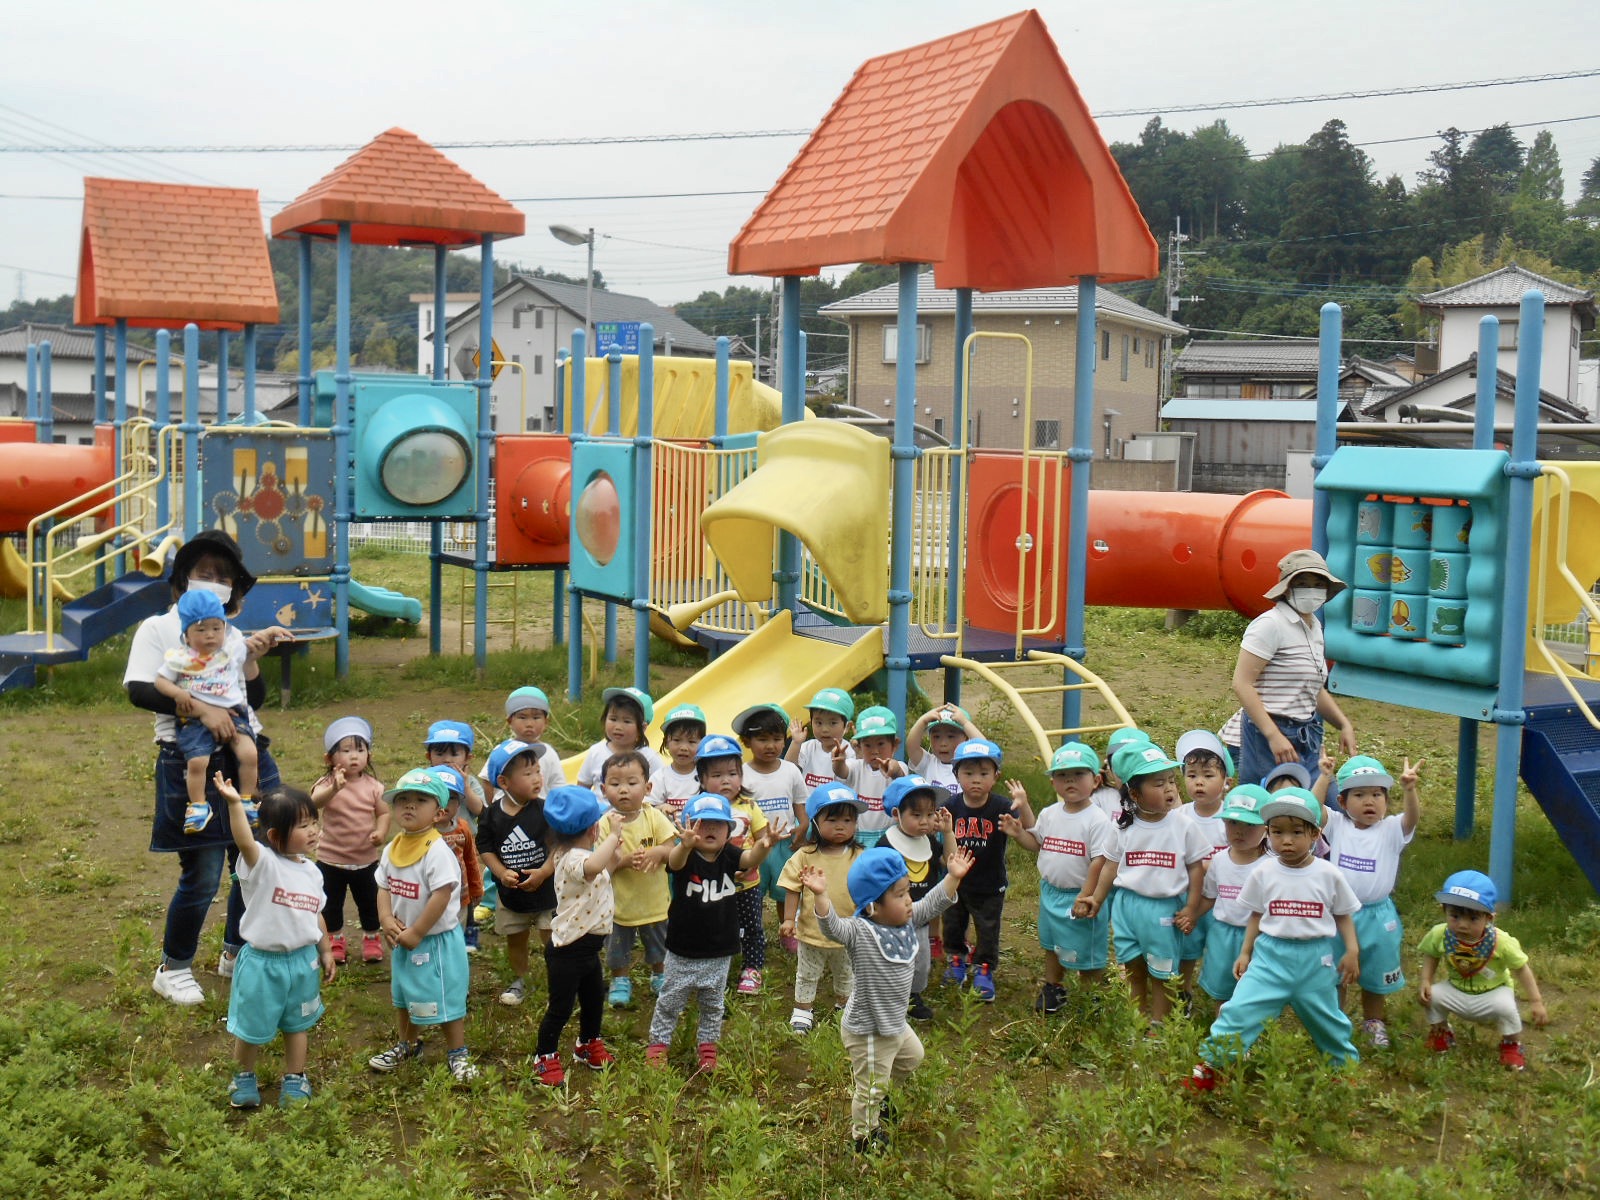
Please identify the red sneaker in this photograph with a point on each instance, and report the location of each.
(593, 1055)
(935, 946)
(1201, 1079)
(549, 1070)
(708, 1057)
(655, 1054)
(1442, 1040)
(371, 948)
(336, 944)
(1511, 1056)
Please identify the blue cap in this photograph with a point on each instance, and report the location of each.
(454, 780)
(1293, 802)
(642, 699)
(716, 745)
(199, 606)
(345, 727)
(708, 806)
(571, 809)
(900, 790)
(450, 733)
(974, 749)
(1469, 889)
(830, 794)
(500, 757)
(874, 873)
(527, 697)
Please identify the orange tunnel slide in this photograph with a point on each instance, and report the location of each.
(36, 478)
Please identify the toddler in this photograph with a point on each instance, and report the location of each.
(1108, 795)
(1480, 962)
(1207, 776)
(830, 846)
(419, 905)
(458, 835)
(676, 782)
(286, 952)
(778, 789)
(915, 805)
(512, 846)
(1226, 873)
(355, 825)
(831, 711)
(449, 744)
(877, 739)
(640, 886)
(880, 940)
(528, 716)
(209, 667)
(626, 716)
(584, 855)
(945, 728)
(719, 763)
(702, 925)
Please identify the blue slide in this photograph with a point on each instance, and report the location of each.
(382, 602)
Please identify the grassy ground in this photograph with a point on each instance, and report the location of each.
(114, 1093)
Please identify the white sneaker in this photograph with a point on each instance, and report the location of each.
(180, 987)
(225, 964)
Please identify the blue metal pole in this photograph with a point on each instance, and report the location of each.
(1079, 455)
(614, 428)
(250, 417)
(1508, 713)
(304, 314)
(342, 456)
(47, 403)
(31, 358)
(720, 429)
(1329, 344)
(558, 585)
(904, 453)
(119, 424)
(436, 528)
(480, 633)
(99, 374)
(643, 503)
(223, 373)
(955, 563)
(577, 367)
(787, 576)
(1488, 383)
(163, 419)
(191, 430)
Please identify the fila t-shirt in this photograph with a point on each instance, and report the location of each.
(1154, 856)
(282, 899)
(1298, 903)
(1069, 842)
(702, 919)
(518, 842)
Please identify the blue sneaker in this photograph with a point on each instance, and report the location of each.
(244, 1091)
(196, 817)
(956, 972)
(658, 980)
(471, 937)
(621, 994)
(293, 1090)
(983, 984)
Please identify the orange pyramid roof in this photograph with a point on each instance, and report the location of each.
(164, 254)
(397, 190)
(975, 153)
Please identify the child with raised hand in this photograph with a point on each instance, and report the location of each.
(586, 848)
(719, 763)
(702, 925)
(1297, 903)
(880, 941)
(830, 846)
(1073, 839)
(626, 715)
(1226, 874)
(676, 782)
(209, 668)
(355, 825)
(639, 884)
(419, 904)
(831, 711)
(869, 773)
(458, 835)
(527, 717)
(286, 951)
(981, 820)
(1365, 843)
(944, 727)
(449, 744)
(1480, 960)
(1157, 860)
(511, 842)
(777, 788)
(915, 805)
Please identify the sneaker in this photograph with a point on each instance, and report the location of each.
(983, 983)
(1511, 1056)
(462, 1068)
(371, 948)
(1051, 997)
(225, 964)
(655, 1054)
(244, 1092)
(515, 993)
(180, 986)
(956, 972)
(548, 1069)
(295, 1089)
(791, 944)
(593, 1055)
(1201, 1079)
(919, 1010)
(935, 946)
(470, 936)
(658, 981)
(801, 1020)
(708, 1057)
(252, 810)
(483, 914)
(876, 1142)
(196, 817)
(749, 982)
(336, 945)
(1377, 1033)
(395, 1056)
(1442, 1040)
(888, 1111)
(621, 993)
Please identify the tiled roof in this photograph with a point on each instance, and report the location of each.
(1504, 288)
(933, 299)
(607, 305)
(158, 254)
(66, 341)
(975, 153)
(398, 190)
(1505, 389)
(1297, 359)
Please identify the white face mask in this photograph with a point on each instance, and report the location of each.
(1306, 600)
(222, 591)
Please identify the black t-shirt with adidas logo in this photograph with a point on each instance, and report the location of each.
(518, 842)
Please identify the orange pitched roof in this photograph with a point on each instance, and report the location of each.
(398, 190)
(975, 153)
(164, 254)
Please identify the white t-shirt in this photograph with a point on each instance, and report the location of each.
(1296, 665)
(583, 905)
(213, 678)
(671, 790)
(1070, 842)
(934, 771)
(1108, 800)
(1154, 856)
(816, 764)
(595, 758)
(870, 786)
(1211, 827)
(776, 793)
(1369, 858)
(1299, 903)
(410, 888)
(1224, 880)
(283, 898)
(151, 641)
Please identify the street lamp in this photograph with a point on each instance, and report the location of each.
(576, 237)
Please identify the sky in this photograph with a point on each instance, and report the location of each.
(339, 72)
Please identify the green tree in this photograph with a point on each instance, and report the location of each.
(378, 350)
(1589, 192)
(1541, 174)
(1331, 208)
(1497, 154)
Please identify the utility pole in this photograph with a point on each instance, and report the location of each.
(756, 374)
(1175, 241)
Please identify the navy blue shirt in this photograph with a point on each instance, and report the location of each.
(978, 829)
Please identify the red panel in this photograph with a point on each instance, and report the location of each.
(533, 498)
(994, 525)
(18, 431)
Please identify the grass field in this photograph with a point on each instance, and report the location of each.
(113, 1093)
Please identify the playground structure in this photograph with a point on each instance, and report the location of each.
(809, 553)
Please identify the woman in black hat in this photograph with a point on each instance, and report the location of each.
(211, 560)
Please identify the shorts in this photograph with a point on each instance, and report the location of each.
(507, 922)
(772, 867)
(1142, 927)
(1192, 945)
(619, 946)
(1079, 944)
(1379, 935)
(196, 741)
(1223, 943)
(274, 991)
(430, 982)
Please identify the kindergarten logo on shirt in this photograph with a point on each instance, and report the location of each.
(1164, 859)
(1295, 908)
(1057, 845)
(405, 889)
(300, 901)
(1349, 862)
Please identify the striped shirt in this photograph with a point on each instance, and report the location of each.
(1296, 664)
(882, 988)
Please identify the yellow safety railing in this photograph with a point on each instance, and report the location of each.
(1554, 551)
(934, 570)
(687, 583)
(1046, 737)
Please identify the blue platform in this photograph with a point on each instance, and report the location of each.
(1561, 765)
(85, 623)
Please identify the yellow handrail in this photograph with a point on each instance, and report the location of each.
(993, 674)
(1557, 555)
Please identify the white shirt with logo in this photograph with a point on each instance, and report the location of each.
(1369, 858)
(1298, 904)
(1154, 856)
(670, 789)
(1069, 843)
(816, 764)
(870, 785)
(1215, 832)
(1225, 879)
(776, 793)
(934, 771)
(410, 888)
(283, 898)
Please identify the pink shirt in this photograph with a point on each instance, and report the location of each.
(347, 823)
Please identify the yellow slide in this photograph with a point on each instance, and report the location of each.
(14, 575)
(686, 398)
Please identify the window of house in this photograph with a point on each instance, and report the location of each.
(938, 426)
(891, 343)
(1150, 353)
(1105, 345)
(1047, 435)
(538, 318)
(1136, 343)
(1508, 335)
(1125, 341)
(538, 364)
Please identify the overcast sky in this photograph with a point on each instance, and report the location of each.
(341, 71)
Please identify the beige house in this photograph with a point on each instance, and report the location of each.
(1129, 346)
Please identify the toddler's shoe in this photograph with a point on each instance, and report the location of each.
(919, 1009)
(790, 943)
(295, 1089)
(196, 817)
(372, 948)
(225, 964)
(462, 1068)
(621, 993)
(593, 1055)
(1201, 1079)
(935, 946)
(707, 1054)
(395, 1056)
(801, 1020)
(956, 972)
(252, 810)
(470, 935)
(549, 1070)
(655, 1054)
(749, 982)
(179, 987)
(516, 992)
(658, 981)
(483, 914)
(1051, 997)
(1511, 1056)
(336, 945)
(1377, 1033)
(983, 984)
(876, 1142)
(244, 1092)
(1442, 1041)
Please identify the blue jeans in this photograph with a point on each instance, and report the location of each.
(1256, 759)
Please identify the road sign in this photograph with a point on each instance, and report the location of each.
(497, 361)
(624, 334)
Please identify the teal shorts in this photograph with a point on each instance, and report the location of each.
(1223, 943)
(1079, 944)
(1142, 927)
(1193, 943)
(274, 991)
(772, 867)
(1379, 935)
(430, 982)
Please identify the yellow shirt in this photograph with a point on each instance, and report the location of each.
(749, 822)
(836, 870)
(642, 897)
